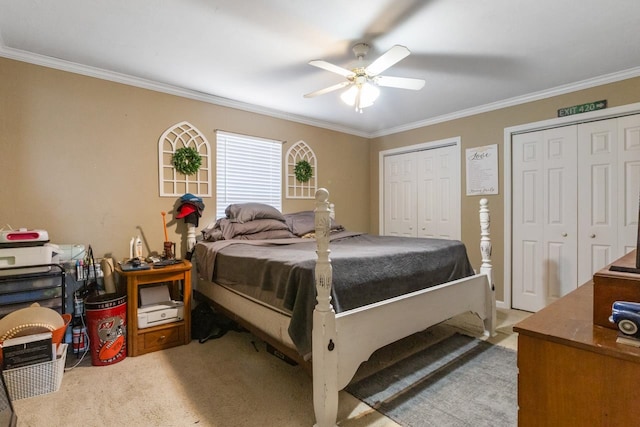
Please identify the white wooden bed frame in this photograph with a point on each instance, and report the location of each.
(341, 342)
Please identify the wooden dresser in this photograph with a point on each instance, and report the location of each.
(572, 372)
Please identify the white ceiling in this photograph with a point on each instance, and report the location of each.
(474, 55)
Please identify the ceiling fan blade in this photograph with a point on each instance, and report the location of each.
(399, 82)
(387, 59)
(330, 67)
(327, 89)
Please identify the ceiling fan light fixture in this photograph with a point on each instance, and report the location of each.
(363, 81)
(360, 96)
(349, 95)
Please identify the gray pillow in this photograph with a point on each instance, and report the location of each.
(245, 212)
(302, 223)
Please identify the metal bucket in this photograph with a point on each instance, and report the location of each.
(107, 327)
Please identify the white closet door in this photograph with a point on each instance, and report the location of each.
(560, 206)
(439, 193)
(544, 265)
(589, 175)
(597, 197)
(400, 195)
(527, 220)
(629, 174)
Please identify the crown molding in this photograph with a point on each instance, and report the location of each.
(72, 67)
(535, 96)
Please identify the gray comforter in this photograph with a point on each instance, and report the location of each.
(366, 269)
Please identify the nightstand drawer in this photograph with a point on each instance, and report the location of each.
(165, 338)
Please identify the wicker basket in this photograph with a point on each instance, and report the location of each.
(37, 379)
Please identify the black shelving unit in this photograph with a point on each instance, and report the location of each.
(22, 286)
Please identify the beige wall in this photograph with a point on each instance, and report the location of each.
(485, 129)
(79, 158)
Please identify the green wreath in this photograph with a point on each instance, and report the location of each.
(303, 171)
(186, 160)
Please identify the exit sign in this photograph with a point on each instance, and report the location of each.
(582, 108)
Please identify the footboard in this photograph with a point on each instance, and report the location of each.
(363, 331)
(340, 343)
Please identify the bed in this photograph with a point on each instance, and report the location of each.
(336, 328)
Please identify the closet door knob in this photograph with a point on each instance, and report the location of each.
(564, 234)
(593, 236)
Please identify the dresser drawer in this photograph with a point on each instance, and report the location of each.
(168, 336)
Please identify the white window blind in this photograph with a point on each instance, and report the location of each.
(249, 169)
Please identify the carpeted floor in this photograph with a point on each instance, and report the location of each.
(231, 381)
(459, 381)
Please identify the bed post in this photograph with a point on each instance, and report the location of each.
(486, 268)
(324, 342)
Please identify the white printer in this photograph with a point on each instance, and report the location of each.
(157, 307)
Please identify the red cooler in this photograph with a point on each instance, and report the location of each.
(107, 327)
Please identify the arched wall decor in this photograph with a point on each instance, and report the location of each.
(298, 152)
(173, 183)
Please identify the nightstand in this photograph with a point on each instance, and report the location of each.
(141, 341)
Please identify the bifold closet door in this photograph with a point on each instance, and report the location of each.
(565, 229)
(598, 201)
(629, 174)
(400, 193)
(609, 188)
(422, 193)
(544, 221)
(439, 193)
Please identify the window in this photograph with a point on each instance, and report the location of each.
(249, 169)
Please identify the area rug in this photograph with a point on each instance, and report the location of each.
(459, 381)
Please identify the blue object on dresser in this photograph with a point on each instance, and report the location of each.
(626, 315)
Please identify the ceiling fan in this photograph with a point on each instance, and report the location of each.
(364, 80)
